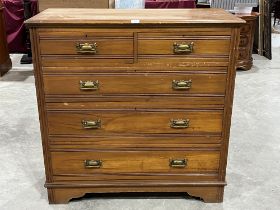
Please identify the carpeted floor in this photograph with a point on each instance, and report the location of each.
(254, 156)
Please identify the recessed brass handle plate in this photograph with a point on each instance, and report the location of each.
(89, 85)
(91, 124)
(183, 48)
(86, 48)
(93, 164)
(178, 163)
(180, 123)
(181, 84)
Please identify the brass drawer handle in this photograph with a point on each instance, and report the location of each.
(180, 124)
(93, 164)
(178, 163)
(91, 124)
(181, 84)
(86, 48)
(183, 48)
(89, 85)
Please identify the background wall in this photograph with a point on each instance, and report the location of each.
(130, 3)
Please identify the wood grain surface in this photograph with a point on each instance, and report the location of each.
(148, 84)
(111, 46)
(134, 162)
(122, 16)
(135, 102)
(129, 122)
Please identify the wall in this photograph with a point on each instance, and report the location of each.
(130, 4)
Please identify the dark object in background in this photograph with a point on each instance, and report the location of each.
(203, 4)
(27, 58)
(276, 11)
(5, 61)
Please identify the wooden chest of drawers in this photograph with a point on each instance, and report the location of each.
(135, 100)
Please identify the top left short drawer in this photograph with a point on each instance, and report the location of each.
(86, 42)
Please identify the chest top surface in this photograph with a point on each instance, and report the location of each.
(70, 16)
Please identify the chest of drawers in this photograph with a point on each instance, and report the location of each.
(135, 100)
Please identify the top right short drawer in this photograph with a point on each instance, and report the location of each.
(180, 44)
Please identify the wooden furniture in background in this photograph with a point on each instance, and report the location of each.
(5, 61)
(135, 100)
(276, 11)
(45, 4)
(245, 60)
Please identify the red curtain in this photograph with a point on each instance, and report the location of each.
(14, 18)
(170, 4)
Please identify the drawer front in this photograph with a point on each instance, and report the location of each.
(135, 84)
(83, 33)
(135, 102)
(136, 142)
(74, 64)
(53, 64)
(89, 47)
(184, 47)
(134, 122)
(108, 162)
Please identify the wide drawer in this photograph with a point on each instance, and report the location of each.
(134, 122)
(88, 47)
(87, 64)
(149, 83)
(135, 142)
(114, 162)
(135, 102)
(187, 46)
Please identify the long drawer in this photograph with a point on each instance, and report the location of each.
(149, 83)
(134, 103)
(134, 122)
(61, 64)
(114, 162)
(135, 142)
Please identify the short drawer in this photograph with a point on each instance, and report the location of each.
(89, 47)
(125, 162)
(185, 46)
(149, 83)
(134, 122)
